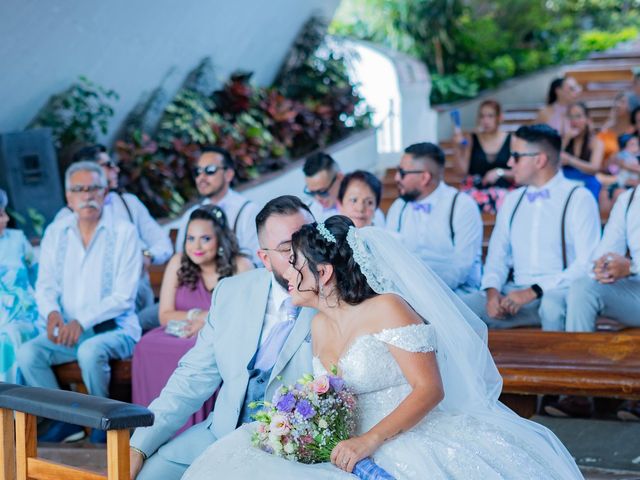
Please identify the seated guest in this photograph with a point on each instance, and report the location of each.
(90, 265)
(210, 253)
(582, 152)
(626, 163)
(155, 242)
(635, 121)
(562, 93)
(618, 123)
(322, 178)
(439, 224)
(213, 174)
(546, 231)
(484, 159)
(18, 309)
(611, 288)
(359, 197)
(634, 95)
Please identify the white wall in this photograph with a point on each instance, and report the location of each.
(131, 45)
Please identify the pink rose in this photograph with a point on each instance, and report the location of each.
(321, 384)
(279, 425)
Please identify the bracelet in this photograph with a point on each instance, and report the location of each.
(192, 313)
(144, 455)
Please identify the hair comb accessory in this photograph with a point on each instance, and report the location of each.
(326, 234)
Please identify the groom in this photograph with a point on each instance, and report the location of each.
(251, 338)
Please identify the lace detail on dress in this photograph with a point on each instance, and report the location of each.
(368, 266)
(412, 338)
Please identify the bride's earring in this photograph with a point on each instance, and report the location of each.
(321, 292)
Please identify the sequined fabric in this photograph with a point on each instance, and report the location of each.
(441, 446)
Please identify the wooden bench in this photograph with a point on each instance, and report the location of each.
(69, 374)
(533, 362)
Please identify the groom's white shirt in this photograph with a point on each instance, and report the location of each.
(241, 307)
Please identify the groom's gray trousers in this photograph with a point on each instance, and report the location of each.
(160, 466)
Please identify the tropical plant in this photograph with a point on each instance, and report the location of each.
(79, 114)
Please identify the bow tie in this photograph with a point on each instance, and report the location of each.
(542, 194)
(425, 207)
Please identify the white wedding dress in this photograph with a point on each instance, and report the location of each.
(469, 435)
(441, 446)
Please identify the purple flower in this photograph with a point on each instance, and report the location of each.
(336, 383)
(305, 409)
(286, 403)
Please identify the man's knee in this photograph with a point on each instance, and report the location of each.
(157, 467)
(553, 310)
(91, 354)
(30, 354)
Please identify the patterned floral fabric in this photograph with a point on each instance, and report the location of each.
(489, 199)
(18, 310)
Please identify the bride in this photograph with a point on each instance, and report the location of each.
(415, 356)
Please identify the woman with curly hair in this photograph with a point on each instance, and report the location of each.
(210, 253)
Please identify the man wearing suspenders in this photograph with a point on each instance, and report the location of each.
(440, 225)
(612, 286)
(213, 175)
(545, 234)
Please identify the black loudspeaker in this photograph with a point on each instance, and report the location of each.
(29, 175)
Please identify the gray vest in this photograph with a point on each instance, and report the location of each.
(258, 380)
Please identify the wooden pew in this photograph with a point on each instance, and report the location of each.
(533, 362)
(19, 437)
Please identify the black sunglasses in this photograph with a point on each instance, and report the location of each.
(402, 172)
(108, 163)
(517, 155)
(208, 170)
(321, 193)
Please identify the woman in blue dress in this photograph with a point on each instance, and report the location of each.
(18, 310)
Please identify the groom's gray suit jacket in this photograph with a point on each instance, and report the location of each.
(225, 347)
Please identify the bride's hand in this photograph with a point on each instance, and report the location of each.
(347, 453)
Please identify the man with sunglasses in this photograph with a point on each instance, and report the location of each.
(154, 240)
(90, 264)
(322, 178)
(213, 175)
(545, 234)
(440, 225)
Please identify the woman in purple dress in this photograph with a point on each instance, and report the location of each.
(211, 253)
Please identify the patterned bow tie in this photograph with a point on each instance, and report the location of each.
(424, 207)
(542, 194)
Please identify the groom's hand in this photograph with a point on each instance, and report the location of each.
(135, 463)
(494, 304)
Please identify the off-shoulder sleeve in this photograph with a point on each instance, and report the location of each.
(412, 338)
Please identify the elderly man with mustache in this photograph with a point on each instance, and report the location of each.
(89, 271)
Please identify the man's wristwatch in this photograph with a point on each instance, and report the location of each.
(537, 289)
(147, 253)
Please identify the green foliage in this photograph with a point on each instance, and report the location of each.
(79, 114)
(471, 45)
(311, 104)
(34, 221)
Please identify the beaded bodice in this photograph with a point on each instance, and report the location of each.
(371, 371)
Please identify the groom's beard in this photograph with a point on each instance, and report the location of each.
(281, 280)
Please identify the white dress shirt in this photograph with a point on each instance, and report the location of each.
(622, 230)
(152, 236)
(425, 229)
(321, 214)
(95, 283)
(533, 243)
(276, 309)
(245, 231)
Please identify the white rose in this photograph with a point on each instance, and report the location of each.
(289, 448)
(323, 423)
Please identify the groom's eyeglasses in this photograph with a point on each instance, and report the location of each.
(284, 249)
(402, 172)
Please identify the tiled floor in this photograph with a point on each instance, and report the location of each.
(604, 449)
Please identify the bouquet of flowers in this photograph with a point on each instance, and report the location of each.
(304, 422)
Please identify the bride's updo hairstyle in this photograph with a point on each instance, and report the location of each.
(351, 284)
